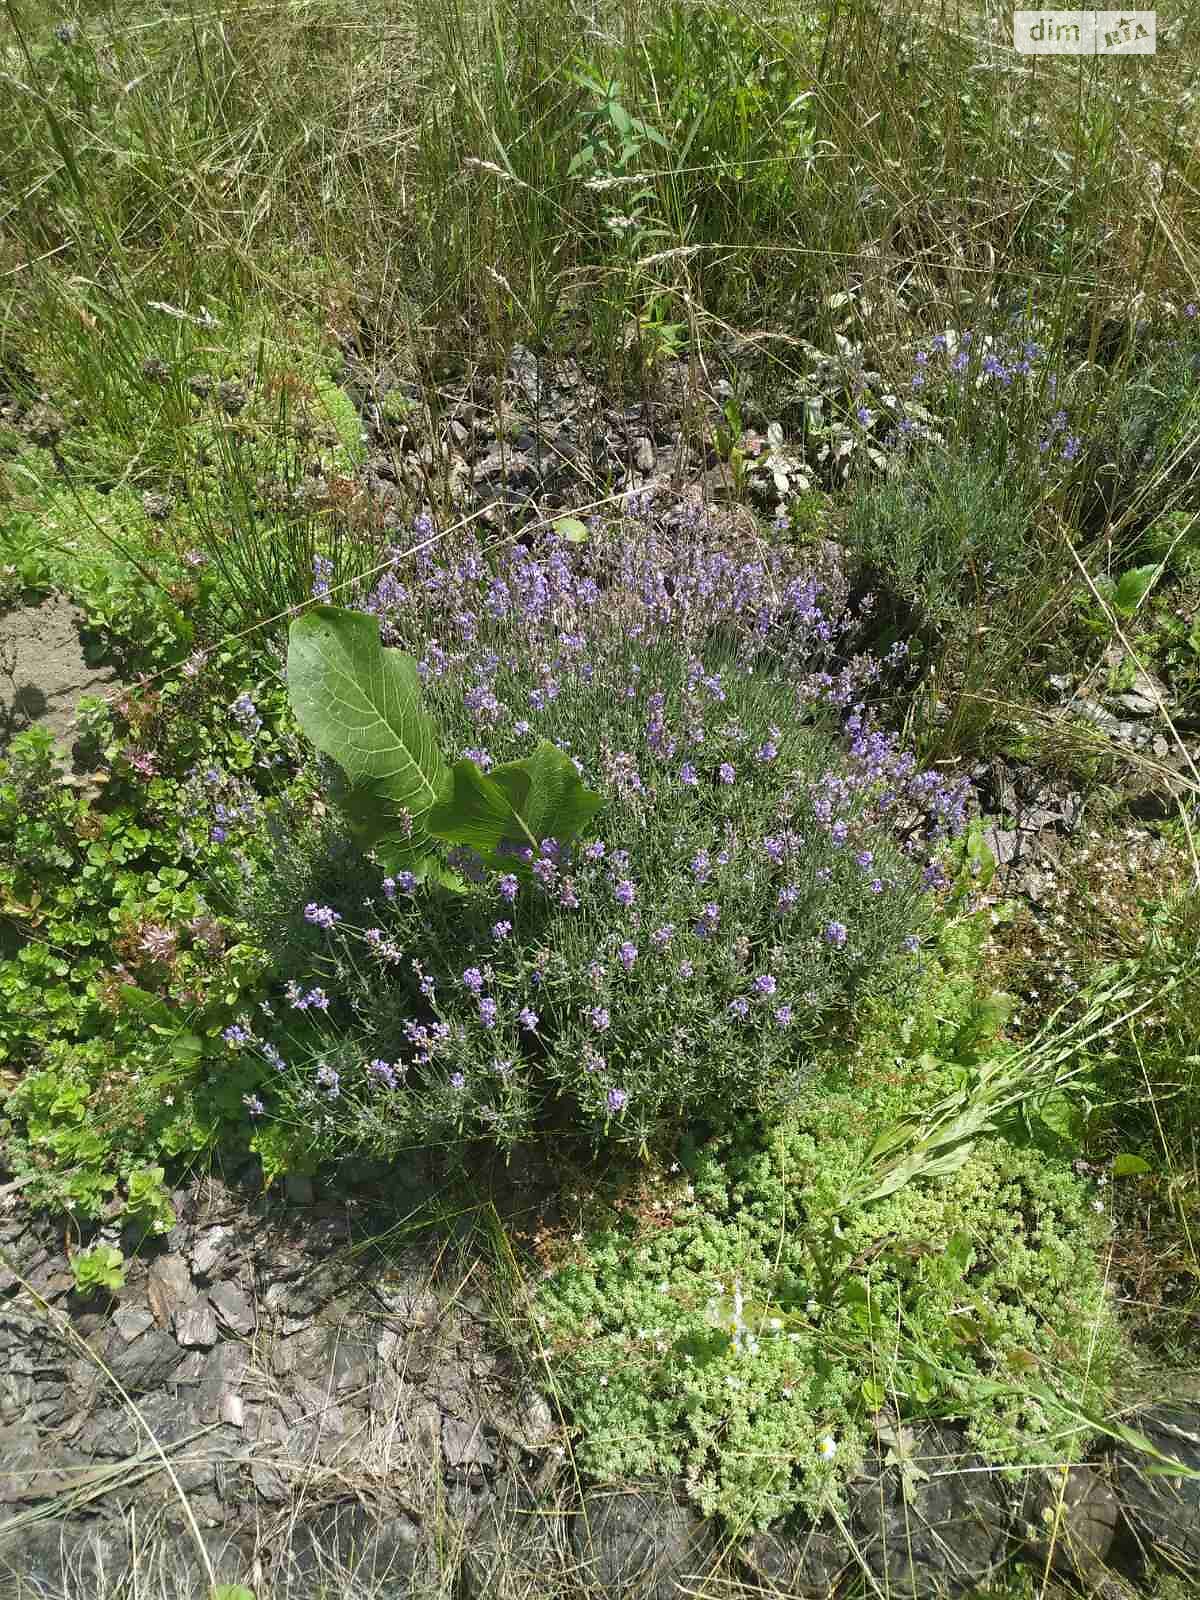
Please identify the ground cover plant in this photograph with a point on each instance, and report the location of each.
(656, 815)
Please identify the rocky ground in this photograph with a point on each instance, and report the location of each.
(339, 1417)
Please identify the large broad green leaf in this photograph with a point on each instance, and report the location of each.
(360, 704)
(522, 802)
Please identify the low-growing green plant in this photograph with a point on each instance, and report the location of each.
(749, 1345)
(101, 1267)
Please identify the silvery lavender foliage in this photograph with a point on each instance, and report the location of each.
(764, 853)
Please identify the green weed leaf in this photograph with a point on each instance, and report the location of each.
(1129, 1166)
(360, 704)
(522, 802)
(1132, 587)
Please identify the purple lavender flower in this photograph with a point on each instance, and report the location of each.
(321, 916)
(457, 1081)
(598, 1017)
(218, 835)
(617, 1100)
(765, 984)
(527, 1018)
(501, 931)
(329, 1080)
(568, 897)
(273, 1057)
(686, 969)
(739, 1007)
(487, 1012)
(700, 865)
(710, 916)
(383, 1072)
(594, 851)
(787, 897)
(508, 887)
(235, 1036)
(864, 859)
(473, 979)
(783, 1016)
(624, 892)
(627, 955)
(253, 1105)
(688, 775)
(911, 943)
(661, 937)
(835, 934)
(726, 773)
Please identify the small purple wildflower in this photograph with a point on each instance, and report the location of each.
(726, 773)
(236, 1036)
(627, 955)
(383, 1072)
(624, 892)
(487, 1012)
(508, 887)
(527, 1018)
(329, 1080)
(594, 851)
(501, 930)
(783, 1016)
(473, 979)
(911, 943)
(253, 1105)
(835, 934)
(765, 984)
(739, 1007)
(617, 1100)
(598, 1017)
(568, 897)
(864, 859)
(457, 1081)
(688, 775)
(709, 918)
(686, 969)
(661, 937)
(321, 916)
(218, 835)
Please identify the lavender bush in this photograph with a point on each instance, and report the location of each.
(762, 854)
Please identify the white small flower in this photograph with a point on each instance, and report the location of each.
(786, 1393)
(775, 1324)
(827, 1448)
(664, 1287)
(603, 1382)
(1098, 1207)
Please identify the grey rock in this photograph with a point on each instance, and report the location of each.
(195, 1325)
(363, 1550)
(169, 1286)
(132, 1321)
(211, 1250)
(516, 1542)
(929, 1518)
(640, 1543)
(145, 1362)
(224, 1369)
(1163, 1512)
(806, 1565)
(1069, 1519)
(61, 1557)
(233, 1307)
(300, 1189)
(464, 1446)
